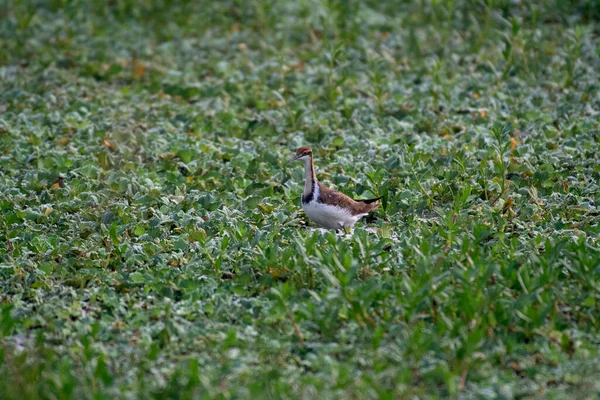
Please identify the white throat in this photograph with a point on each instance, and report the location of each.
(310, 179)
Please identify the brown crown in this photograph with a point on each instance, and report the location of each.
(303, 151)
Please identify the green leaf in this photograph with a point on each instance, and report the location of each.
(137, 277)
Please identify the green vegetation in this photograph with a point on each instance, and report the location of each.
(152, 243)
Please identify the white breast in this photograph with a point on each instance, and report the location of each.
(330, 217)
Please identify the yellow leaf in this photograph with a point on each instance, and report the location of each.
(63, 141)
(475, 95)
(60, 183)
(275, 272)
(483, 113)
(513, 143)
(48, 211)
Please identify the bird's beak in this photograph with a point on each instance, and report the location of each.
(292, 159)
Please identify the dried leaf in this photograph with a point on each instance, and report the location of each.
(109, 145)
(138, 70)
(165, 156)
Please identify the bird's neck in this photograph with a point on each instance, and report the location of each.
(310, 179)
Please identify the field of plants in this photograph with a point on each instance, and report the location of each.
(152, 241)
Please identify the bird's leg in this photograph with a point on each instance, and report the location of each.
(345, 229)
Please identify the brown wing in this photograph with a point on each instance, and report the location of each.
(332, 197)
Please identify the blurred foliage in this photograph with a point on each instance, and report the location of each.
(152, 243)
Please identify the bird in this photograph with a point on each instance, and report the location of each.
(326, 207)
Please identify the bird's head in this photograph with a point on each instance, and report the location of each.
(303, 153)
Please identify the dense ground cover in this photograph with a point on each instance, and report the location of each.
(151, 239)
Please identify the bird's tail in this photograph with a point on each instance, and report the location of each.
(369, 201)
(370, 204)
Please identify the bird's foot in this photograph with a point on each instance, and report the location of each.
(346, 230)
